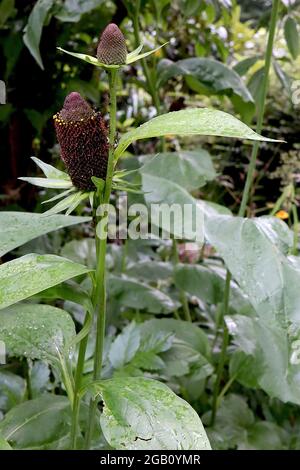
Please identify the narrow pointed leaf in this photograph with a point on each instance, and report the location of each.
(47, 182)
(202, 121)
(49, 170)
(132, 59)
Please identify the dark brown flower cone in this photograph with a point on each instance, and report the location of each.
(112, 46)
(82, 136)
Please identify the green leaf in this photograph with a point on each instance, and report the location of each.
(207, 284)
(143, 414)
(17, 228)
(151, 271)
(242, 67)
(124, 347)
(47, 182)
(7, 8)
(73, 10)
(134, 58)
(190, 169)
(254, 251)
(89, 59)
(50, 171)
(69, 203)
(39, 424)
(134, 294)
(33, 29)
(202, 121)
(30, 274)
(12, 390)
(4, 445)
(236, 427)
(160, 191)
(213, 76)
(37, 331)
(189, 349)
(292, 38)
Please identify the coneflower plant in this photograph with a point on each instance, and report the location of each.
(136, 412)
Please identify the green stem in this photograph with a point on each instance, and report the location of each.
(296, 222)
(225, 341)
(245, 197)
(182, 294)
(78, 381)
(261, 111)
(99, 296)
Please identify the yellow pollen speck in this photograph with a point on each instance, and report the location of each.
(283, 215)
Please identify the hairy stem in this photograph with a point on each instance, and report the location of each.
(245, 197)
(99, 295)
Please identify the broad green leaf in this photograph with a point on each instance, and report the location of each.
(17, 228)
(36, 331)
(189, 169)
(254, 250)
(160, 191)
(72, 10)
(292, 36)
(4, 445)
(208, 284)
(12, 390)
(151, 271)
(33, 29)
(143, 414)
(214, 77)
(39, 424)
(202, 121)
(236, 427)
(48, 182)
(30, 274)
(135, 294)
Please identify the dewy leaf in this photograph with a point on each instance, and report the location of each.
(254, 251)
(190, 169)
(30, 274)
(39, 424)
(135, 294)
(202, 121)
(144, 414)
(17, 228)
(36, 331)
(33, 29)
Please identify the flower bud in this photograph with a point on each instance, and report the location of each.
(82, 136)
(112, 46)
